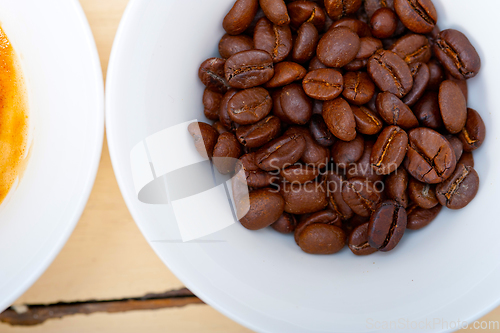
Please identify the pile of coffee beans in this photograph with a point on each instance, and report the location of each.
(349, 118)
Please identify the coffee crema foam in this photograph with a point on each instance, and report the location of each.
(14, 120)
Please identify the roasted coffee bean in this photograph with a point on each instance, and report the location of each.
(337, 9)
(358, 241)
(299, 174)
(456, 144)
(258, 134)
(372, 104)
(383, 23)
(266, 207)
(323, 84)
(389, 150)
(285, 73)
(281, 152)
(224, 113)
(396, 187)
(361, 15)
(474, 132)
(211, 104)
(339, 118)
(371, 6)
(319, 238)
(336, 203)
(430, 157)
(454, 50)
(320, 131)
(395, 112)
(205, 138)
(219, 127)
(326, 217)
(434, 34)
(427, 111)
(462, 84)
(360, 28)
(424, 195)
(240, 16)
(367, 121)
(361, 195)
(400, 29)
(453, 106)
(317, 106)
(315, 63)
(413, 48)
(347, 153)
(254, 176)
(368, 46)
(338, 47)
(358, 88)
(343, 116)
(419, 16)
(436, 75)
(314, 154)
(295, 105)
(248, 69)
(230, 45)
(388, 42)
(249, 106)
(363, 168)
(356, 65)
(286, 224)
(211, 74)
(275, 40)
(277, 109)
(421, 75)
(275, 11)
(458, 191)
(306, 11)
(251, 28)
(419, 217)
(390, 73)
(226, 152)
(305, 43)
(467, 159)
(240, 193)
(303, 198)
(387, 226)
(353, 223)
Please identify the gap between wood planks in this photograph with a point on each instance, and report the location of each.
(34, 314)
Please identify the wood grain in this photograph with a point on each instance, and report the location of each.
(29, 315)
(104, 17)
(188, 319)
(106, 257)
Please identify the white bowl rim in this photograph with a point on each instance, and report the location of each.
(92, 172)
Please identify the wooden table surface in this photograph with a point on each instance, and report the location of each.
(107, 278)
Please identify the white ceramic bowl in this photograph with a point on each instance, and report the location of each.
(65, 89)
(447, 272)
